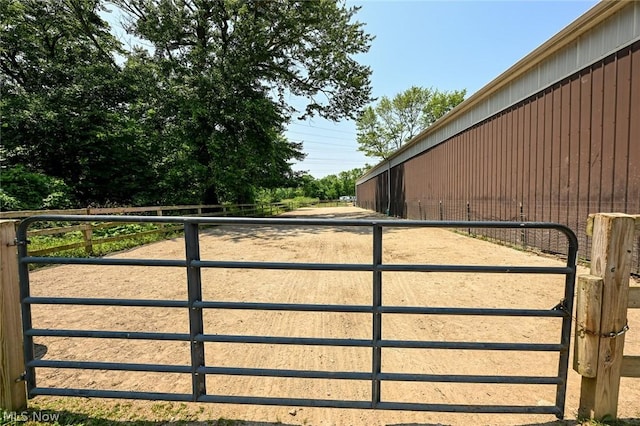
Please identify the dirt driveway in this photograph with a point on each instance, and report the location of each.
(319, 245)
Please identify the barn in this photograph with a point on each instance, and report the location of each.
(554, 138)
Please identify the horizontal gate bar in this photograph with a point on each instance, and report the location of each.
(285, 307)
(459, 378)
(312, 341)
(100, 334)
(484, 269)
(103, 334)
(107, 302)
(103, 261)
(110, 366)
(383, 267)
(389, 223)
(498, 312)
(556, 313)
(552, 313)
(271, 372)
(399, 377)
(92, 393)
(357, 267)
(525, 347)
(298, 402)
(306, 374)
(292, 402)
(460, 408)
(443, 408)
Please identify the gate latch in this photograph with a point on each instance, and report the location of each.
(615, 334)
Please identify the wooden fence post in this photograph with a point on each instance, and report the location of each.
(87, 235)
(610, 261)
(13, 396)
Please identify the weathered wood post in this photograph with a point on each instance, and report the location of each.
(13, 396)
(87, 235)
(602, 327)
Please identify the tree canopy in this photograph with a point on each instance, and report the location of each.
(385, 127)
(197, 117)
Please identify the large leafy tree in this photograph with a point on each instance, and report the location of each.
(385, 127)
(199, 116)
(64, 100)
(226, 71)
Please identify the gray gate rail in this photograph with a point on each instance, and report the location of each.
(197, 335)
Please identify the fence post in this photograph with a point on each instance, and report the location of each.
(610, 261)
(87, 235)
(441, 213)
(13, 396)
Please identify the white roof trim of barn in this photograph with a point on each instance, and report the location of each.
(601, 31)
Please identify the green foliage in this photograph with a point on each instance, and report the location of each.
(385, 127)
(22, 189)
(327, 188)
(223, 73)
(65, 102)
(197, 119)
(7, 202)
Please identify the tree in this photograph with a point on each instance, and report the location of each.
(199, 117)
(231, 67)
(65, 103)
(385, 127)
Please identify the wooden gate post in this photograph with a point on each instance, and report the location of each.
(610, 261)
(13, 396)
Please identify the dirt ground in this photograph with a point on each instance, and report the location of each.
(346, 245)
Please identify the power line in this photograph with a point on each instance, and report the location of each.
(322, 128)
(306, 141)
(353, 160)
(316, 134)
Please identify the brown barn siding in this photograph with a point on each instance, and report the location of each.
(570, 150)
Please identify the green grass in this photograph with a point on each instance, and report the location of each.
(101, 412)
(100, 249)
(122, 230)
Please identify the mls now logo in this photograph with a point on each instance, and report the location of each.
(9, 417)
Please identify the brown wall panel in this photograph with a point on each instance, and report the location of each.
(608, 134)
(573, 158)
(568, 151)
(596, 138)
(633, 165)
(622, 121)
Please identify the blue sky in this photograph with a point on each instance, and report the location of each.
(441, 44)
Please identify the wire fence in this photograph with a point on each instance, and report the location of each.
(573, 214)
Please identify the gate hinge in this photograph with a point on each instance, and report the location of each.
(17, 242)
(22, 377)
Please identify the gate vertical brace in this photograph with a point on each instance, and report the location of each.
(567, 306)
(23, 276)
(377, 316)
(196, 327)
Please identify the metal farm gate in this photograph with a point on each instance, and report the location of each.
(198, 335)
